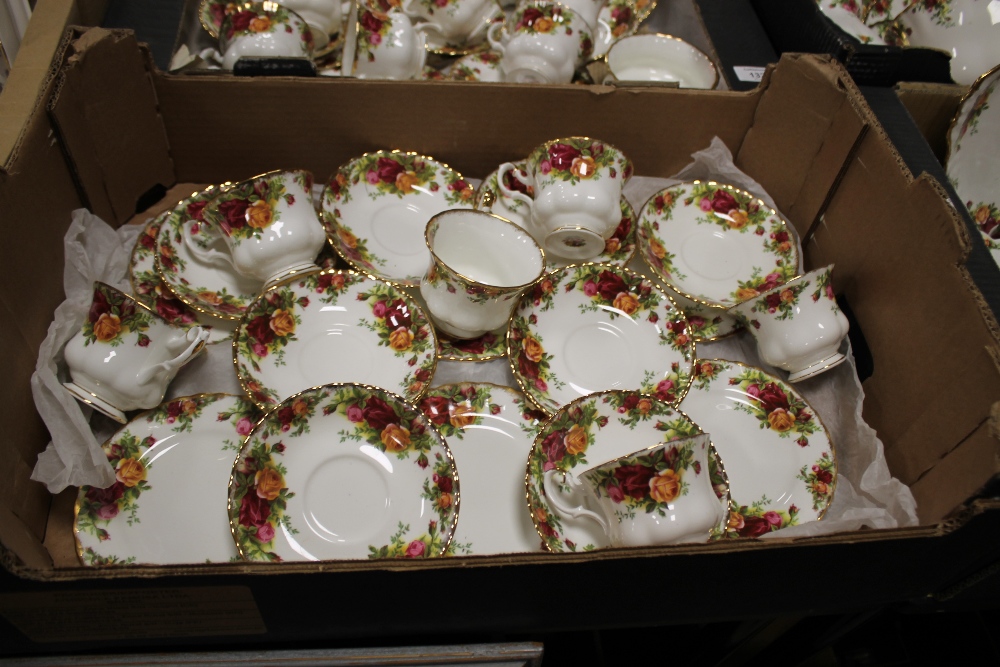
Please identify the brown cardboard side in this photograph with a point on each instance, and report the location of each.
(37, 194)
(803, 132)
(960, 472)
(898, 249)
(320, 125)
(105, 110)
(933, 107)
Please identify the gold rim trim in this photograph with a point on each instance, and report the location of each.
(653, 284)
(471, 281)
(537, 443)
(661, 35)
(755, 199)
(328, 221)
(833, 448)
(972, 92)
(106, 444)
(410, 302)
(411, 406)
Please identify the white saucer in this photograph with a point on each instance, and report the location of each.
(781, 464)
(376, 207)
(333, 326)
(164, 507)
(586, 433)
(715, 244)
(596, 327)
(490, 430)
(343, 472)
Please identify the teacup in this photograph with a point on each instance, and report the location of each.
(544, 42)
(798, 325)
(456, 21)
(660, 58)
(660, 495)
(269, 226)
(325, 17)
(125, 355)
(588, 10)
(384, 43)
(264, 29)
(480, 266)
(577, 184)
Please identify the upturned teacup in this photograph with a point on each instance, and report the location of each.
(661, 59)
(543, 42)
(577, 186)
(456, 21)
(798, 325)
(480, 266)
(661, 495)
(265, 30)
(385, 43)
(325, 17)
(268, 224)
(125, 355)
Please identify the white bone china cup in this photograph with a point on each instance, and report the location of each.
(577, 186)
(325, 17)
(264, 29)
(268, 223)
(660, 58)
(798, 325)
(385, 43)
(124, 356)
(457, 21)
(661, 495)
(544, 42)
(480, 266)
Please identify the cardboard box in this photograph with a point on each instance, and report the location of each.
(107, 128)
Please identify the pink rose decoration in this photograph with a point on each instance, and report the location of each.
(265, 533)
(416, 549)
(244, 426)
(705, 205)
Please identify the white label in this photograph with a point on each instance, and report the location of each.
(752, 74)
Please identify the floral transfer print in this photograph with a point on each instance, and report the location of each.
(659, 209)
(564, 441)
(171, 265)
(254, 19)
(147, 286)
(780, 304)
(247, 209)
(624, 19)
(820, 479)
(97, 507)
(491, 345)
(646, 482)
(578, 158)
(545, 19)
(824, 289)
(258, 499)
(454, 407)
(610, 290)
(113, 315)
(776, 406)
(753, 520)
(472, 67)
(399, 174)
(987, 217)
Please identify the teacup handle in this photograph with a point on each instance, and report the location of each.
(150, 373)
(604, 34)
(205, 254)
(557, 499)
(504, 169)
(495, 42)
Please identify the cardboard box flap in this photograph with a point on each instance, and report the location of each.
(106, 113)
(806, 118)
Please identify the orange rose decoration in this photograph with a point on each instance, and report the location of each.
(300, 408)
(745, 293)
(644, 406)
(444, 501)
(107, 327)
(576, 440)
(406, 180)
(282, 322)
(665, 487)
(462, 415)
(626, 302)
(347, 238)
(401, 339)
(395, 438)
(582, 167)
(260, 24)
(544, 24)
(787, 295)
(657, 249)
(269, 483)
(781, 420)
(533, 350)
(130, 472)
(738, 220)
(259, 214)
